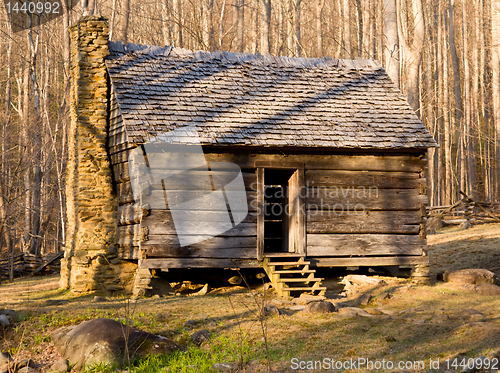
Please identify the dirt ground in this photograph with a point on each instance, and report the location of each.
(419, 323)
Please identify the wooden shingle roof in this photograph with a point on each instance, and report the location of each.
(265, 101)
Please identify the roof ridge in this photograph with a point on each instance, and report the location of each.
(118, 48)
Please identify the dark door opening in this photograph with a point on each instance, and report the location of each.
(280, 210)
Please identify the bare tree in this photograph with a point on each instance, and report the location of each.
(391, 40)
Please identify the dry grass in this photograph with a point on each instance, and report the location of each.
(421, 322)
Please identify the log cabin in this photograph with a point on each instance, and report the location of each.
(327, 155)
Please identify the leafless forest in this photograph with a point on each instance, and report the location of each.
(444, 55)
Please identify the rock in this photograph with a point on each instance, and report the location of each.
(235, 280)
(4, 320)
(479, 361)
(13, 314)
(98, 299)
(362, 280)
(161, 317)
(102, 341)
(56, 302)
(471, 276)
(201, 336)
(297, 307)
(355, 310)
(320, 307)
(189, 323)
(203, 291)
(61, 365)
(365, 299)
(487, 289)
(374, 311)
(281, 303)
(465, 225)
(225, 367)
(4, 359)
(28, 370)
(305, 299)
(271, 310)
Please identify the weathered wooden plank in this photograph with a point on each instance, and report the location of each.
(213, 216)
(129, 235)
(260, 213)
(167, 251)
(369, 261)
(199, 263)
(202, 228)
(402, 163)
(120, 153)
(366, 217)
(131, 214)
(368, 199)
(364, 244)
(124, 191)
(197, 180)
(374, 179)
(206, 241)
(121, 172)
(118, 138)
(281, 164)
(301, 228)
(361, 228)
(128, 252)
(176, 197)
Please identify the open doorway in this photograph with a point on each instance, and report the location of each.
(281, 224)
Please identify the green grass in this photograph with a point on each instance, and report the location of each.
(219, 349)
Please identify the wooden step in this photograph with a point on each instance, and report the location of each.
(298, 271)
(274, 264)
(303, 279)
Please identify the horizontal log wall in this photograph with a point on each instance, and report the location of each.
(365, 213)
(390, 188)
(238, 242)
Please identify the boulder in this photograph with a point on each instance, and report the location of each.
(471, 276)
(201, 336)
(362, 280)
(320, 307)
(4, 320)
(4, 359)
(487, 289)
(271, 310)
(61, 365)
(365, 299)
(235, 280)
(103, 341)
(354, 311)
(28, 370)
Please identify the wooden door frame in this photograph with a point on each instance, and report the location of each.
(261, 166)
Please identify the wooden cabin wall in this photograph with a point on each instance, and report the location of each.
(378, 211)
(237, 243)
(129, 213)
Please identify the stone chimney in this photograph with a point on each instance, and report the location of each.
(90, 262)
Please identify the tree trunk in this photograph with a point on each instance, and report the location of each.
(495, 68)
(458, 91)
(391, 50)
(347, 28)
(122, 34)
(319, 27)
